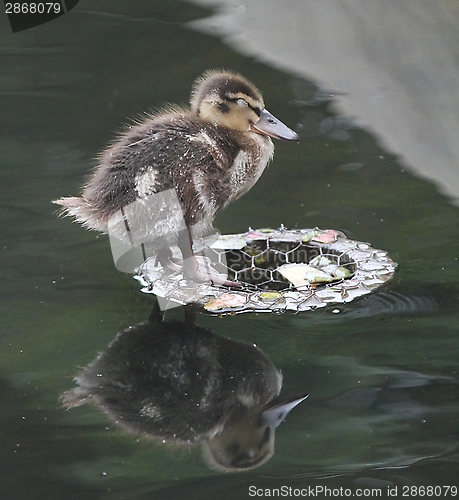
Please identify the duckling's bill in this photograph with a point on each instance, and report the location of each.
(270, 125)
(277, 410)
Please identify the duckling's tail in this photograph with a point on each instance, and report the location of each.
(83, 211)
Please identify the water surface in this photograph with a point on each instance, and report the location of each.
(381, 373)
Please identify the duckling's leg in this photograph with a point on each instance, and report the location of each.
(156, 315)
(191, 268)
(191, 316)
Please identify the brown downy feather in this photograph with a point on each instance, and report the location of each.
(82, 211)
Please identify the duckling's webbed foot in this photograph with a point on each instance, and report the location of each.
(164, 257)
(198, 268)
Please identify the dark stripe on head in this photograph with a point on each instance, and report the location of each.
(224, 108)
(255, 109)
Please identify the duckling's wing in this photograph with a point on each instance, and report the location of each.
(179, 152)
(175, 151)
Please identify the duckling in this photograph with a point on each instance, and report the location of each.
(207, 156)
(180, 383)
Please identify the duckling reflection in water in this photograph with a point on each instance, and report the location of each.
(208, 156)
(181, 383)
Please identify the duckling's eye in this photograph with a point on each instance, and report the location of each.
(241, 103)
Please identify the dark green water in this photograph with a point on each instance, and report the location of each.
(381, 374)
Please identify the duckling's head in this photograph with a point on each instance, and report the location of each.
(247, 440)
(229, 100)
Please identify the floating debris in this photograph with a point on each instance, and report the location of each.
(225, 301)
(270, 295)
(303, 274)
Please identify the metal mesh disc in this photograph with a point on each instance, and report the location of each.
(280, 270)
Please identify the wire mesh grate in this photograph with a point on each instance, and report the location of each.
(278, 270)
